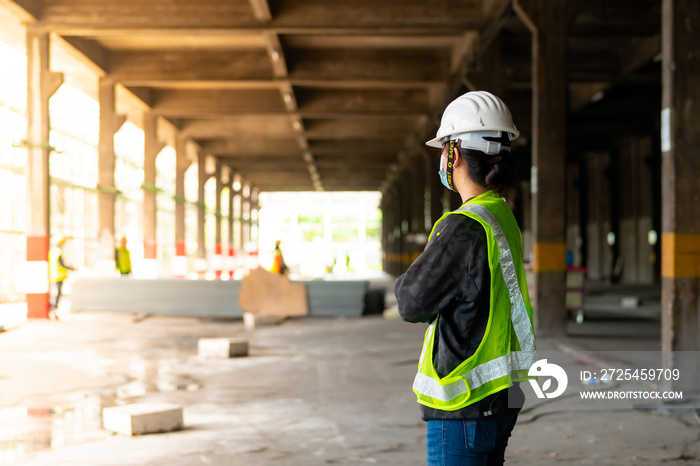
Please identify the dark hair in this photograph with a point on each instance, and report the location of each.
(492, 171)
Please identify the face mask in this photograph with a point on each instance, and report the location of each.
(443, 174)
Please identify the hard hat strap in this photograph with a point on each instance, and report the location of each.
(450, 163)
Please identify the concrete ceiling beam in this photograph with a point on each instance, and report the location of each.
(241, 128)
(189, 103)
(143, 67)
(251, 147)
(241, 13)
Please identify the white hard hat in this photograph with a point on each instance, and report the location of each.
(475, 112)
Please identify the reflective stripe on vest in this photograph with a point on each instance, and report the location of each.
(484, 373)
(501, 366)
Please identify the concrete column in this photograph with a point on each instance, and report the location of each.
(435, 188)
(394, 229)
(573, 228)
(387, 229)
(399, 206)
(245, 215)
(548, 23)
(201, 260)
(634, 191)
(419, 207)
(218, 251)
(254, 214)
(230, 261)
(417, 186)
(109, 125)
(526, 227)
(488, 74)
(151, 149)
(182, 163)
(238, 219)
(598, 252)
(385, 232)
(648, 220)
(680, 138)
(41, 85)
(406, 190)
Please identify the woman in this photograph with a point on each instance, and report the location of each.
(469, 283)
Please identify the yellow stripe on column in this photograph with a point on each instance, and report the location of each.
(680, 255)
(549, 257)
(409, 257)
(404, 258)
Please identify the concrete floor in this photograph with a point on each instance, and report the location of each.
(312, 392)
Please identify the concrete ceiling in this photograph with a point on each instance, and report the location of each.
(293, 95)
(311, 94)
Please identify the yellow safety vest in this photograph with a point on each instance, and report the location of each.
(508, 348)
(278, 263)
(57, 273)
(123, 260)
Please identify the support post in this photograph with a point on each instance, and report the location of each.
(201, 261)
(435, 187)
(405, 222)
(230, 260)
(548, 23)
(391, 213)
(680, 138)
(182, 163)
(245, 215)
(41, 84)
(109, 125)
(398, 232)
(150, 151)
(254, 215)
(218, 257)
(418, 206)
(488, 74)
(238, 216)
(385, 237)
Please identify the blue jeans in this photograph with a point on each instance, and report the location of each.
(480, 442)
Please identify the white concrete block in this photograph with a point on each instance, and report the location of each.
(630, 302)
(222, 348)
(142, 418)
(253, 320)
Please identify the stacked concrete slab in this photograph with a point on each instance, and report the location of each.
(209, 298)
(214, 298)
(336, 298)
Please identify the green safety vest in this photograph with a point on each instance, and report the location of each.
(56, 272)
(123, 260)
(508, 348)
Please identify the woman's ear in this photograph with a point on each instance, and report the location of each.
(458, 159)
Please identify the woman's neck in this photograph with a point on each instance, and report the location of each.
(467, 189)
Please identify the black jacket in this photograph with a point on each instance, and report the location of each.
(452, 278)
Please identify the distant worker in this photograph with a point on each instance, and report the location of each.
(469, 283)
(58, 272)
(123, 259)
(330, 268)
(278, 265)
